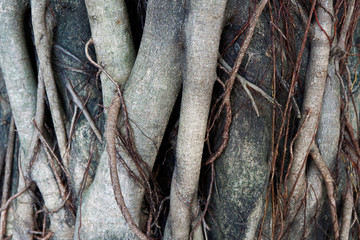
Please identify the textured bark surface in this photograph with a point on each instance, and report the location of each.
(110, 30)
(178, 50)
(150, 95)
(203, 27)
(242, 171)
(13, 53)
(238, 204)
(69, 36)
(311, 109)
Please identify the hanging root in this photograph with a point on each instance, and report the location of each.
(347, 212)
(226, 105)
(314, 91)
(111, 129)
(42, 26)
(245, 84)
(7, 178)
(83, 108)
(200, 75)
(329, 184)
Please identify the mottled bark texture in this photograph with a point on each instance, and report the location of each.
(22, 92)
(323, 84)
(242, 171)
(314, 91)
(72, 67)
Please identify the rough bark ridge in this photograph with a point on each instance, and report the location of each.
(238, 215)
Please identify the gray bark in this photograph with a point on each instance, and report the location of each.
(149, 95)
(21, 89)
(242, 171)
(203, 27)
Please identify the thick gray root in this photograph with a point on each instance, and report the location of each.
(110, 30)
(327, 138)
(313, 98)
(150, 95)
(70, 31)
(203, 28)
(42, 27)
(21, 88)
(61, 220)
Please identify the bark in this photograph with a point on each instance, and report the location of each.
(203, 27)
(149, 95)
(180, 45)
(71, 67)
(7, 176)
(114, 46)
(43, 34)
(21, 89)
(242, 171)
(314, 91)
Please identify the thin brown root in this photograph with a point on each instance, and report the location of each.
(202, 216)
(47, 146)
(6, 205)
(110, 136)
(98, 65)
(48, 236)
(83, 108)
(245, 83)
(230, 82)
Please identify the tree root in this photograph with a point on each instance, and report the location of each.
(200, 75)
(7, 178)
(83, 108)
(111, 129)
(245, 84)
(314, 91)
(326, 174)
(113, 42)
(42, 26)
(226, 105)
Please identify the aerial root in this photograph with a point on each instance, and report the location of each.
(83, 108)
(7, 178)
(111, 129)
(43, 27)
(326, 174)
(117, 103)
(245, 84)
(226, 104)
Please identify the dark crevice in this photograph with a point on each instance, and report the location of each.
(137, 14)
